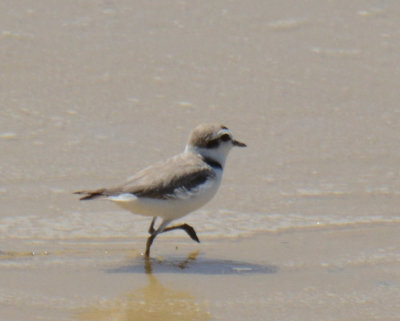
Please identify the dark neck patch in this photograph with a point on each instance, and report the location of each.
(212, 162)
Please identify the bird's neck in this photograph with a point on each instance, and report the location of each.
(213, 157)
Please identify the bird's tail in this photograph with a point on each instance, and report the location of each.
(88, 195)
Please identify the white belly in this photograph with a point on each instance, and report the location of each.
(172, 208)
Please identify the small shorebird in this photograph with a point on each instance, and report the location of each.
(177, 186)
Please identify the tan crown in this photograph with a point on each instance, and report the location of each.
(204, 133)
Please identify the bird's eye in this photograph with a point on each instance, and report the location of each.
(225, 137)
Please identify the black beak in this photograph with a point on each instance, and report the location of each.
(238, 144)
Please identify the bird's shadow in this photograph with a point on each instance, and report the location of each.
(193, 264)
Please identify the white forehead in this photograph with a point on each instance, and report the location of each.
(224, 131)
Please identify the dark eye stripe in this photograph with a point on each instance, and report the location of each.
(213, 143)
(225, 137)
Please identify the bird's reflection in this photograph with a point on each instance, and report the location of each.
(148, 262)
(152, 302)
(158, 302)
(193, 264)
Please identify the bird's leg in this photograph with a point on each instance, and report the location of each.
(151, 228)
(148, 244)
(153, 236)
(187, 228)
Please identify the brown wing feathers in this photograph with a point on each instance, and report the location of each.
(149, 183)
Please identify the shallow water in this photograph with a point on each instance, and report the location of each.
(122, 226)
(94, 91)
(312, 273)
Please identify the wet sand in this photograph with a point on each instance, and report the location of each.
(339, 273)
(306, 223)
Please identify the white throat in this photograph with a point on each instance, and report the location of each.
(216, 154)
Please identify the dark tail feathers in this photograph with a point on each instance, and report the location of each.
(88, 195)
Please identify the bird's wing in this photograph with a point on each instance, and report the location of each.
(177, 177)
(164, 180)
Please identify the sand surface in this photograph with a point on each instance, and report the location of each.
(306, 223)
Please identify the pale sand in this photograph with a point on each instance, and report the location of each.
(306, 224)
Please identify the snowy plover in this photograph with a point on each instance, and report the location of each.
(177, 186)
